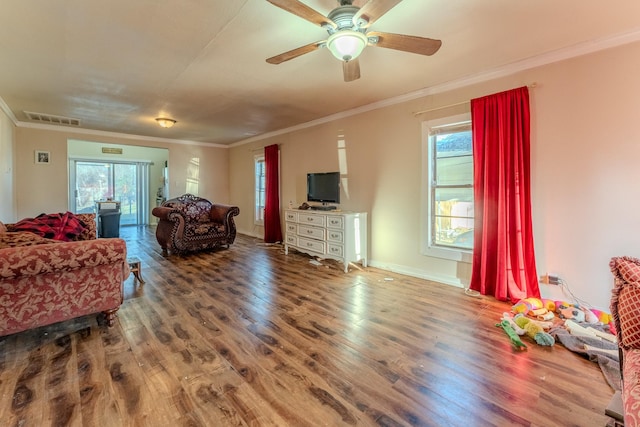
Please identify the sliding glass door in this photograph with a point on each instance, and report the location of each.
(127, 183)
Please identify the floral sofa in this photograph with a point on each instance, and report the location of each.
(190, 223)
(625, 308)
(45, 280)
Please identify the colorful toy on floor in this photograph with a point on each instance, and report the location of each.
(535, 307)
(524, 306)
(509, 318)
(603, 317)
(571, 312)
(578, 313)
(534, 330)
(511, 333)
(545, 310)
(541, 314)
(589, 316)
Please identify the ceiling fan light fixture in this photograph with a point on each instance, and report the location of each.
(165, 123)
(347, 44)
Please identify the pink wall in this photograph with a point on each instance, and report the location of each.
(585, 151)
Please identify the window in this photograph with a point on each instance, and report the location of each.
(259, 189)
(128, 183)
(449, 194)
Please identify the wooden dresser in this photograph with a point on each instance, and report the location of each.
(337, 235)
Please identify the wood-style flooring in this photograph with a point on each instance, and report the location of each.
(248, 336)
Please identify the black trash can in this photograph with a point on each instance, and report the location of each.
(109, 223)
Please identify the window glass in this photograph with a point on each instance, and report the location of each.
(451, 189)
(259, 189)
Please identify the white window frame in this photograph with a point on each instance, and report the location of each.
(426, 242)
(258, 211)
(142, 184)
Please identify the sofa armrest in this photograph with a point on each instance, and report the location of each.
(91, 230)
(625, 300)
(64, 256)
(223, 214)
(163, 212)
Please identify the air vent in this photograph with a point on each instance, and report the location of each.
(48, 118)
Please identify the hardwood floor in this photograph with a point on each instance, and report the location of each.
(251, 337)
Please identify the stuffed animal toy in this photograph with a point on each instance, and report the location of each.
(541, 314)
(603, 317)
(589, 316)
(559, 303)
(511, 333)
(534, 330)
(571, 312)
(509, 318)
(583, 314)
(549, 305)
(525, 306)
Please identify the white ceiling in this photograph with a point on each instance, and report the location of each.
(118, 64)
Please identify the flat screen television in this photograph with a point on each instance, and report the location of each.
(323, 187)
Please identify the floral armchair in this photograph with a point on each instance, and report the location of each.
(190, 223)
(625, 308)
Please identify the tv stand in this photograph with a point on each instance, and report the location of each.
(323, 208)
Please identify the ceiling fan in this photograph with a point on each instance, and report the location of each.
(348, 27)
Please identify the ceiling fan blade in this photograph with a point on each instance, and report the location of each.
(303, 11)
(372, 10)
(351, 70)
(278, 59)
(412, 44)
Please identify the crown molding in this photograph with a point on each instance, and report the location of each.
(82, 131)
(569, 52)
(4, 107)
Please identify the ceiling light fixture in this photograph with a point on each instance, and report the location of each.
(347, 44)
(165, 123)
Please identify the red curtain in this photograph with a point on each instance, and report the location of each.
(503, 253)
(272, 229)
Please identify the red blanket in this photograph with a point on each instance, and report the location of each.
(59, 226)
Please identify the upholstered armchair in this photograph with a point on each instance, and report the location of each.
(625, 309)
(190, 223)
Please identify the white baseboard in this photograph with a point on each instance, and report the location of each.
(420, 274)
(395, 268)
(250, 234)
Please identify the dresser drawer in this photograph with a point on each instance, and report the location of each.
(291, 240)
(291, 216)
(335, 250)
(311, 232)
(335, 222)
(311, 245)
(291, 228)
(318, 220)
(335, 236)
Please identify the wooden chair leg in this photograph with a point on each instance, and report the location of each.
(110, 316)
(135, 266)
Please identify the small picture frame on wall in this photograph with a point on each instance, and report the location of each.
(43, 157)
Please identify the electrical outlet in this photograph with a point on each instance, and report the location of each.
(550, 279)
